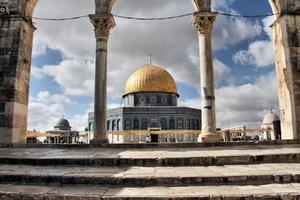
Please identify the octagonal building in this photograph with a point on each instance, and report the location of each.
(150, 110)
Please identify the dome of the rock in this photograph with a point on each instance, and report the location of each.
(150, 78)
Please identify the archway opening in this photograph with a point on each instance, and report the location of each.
(187, 57)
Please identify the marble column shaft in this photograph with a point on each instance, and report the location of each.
(103, 23)
(203, 22)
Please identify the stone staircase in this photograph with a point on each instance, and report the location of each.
(269, 170)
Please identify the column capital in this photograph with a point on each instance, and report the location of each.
(204, 22)
(103, 23)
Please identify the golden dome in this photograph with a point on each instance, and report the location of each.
(150, 78)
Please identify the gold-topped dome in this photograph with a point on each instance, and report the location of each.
(150, 78)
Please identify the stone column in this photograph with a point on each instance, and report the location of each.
(103, 23)
(203, 22)
(16, 36)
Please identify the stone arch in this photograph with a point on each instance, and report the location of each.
(15, 58)
(15, 64)
(287, 58)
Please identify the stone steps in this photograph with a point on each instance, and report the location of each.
(145, 172)
(232, 192)
(151, 176)
(255, 144)
(213, 156)
(179, 161)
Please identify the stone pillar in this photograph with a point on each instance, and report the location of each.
(103, 22)
(286, 31)
(203, 21)
(16, 36)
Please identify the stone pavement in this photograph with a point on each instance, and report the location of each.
(267, 171)
(247, 154)
(151, 176)
(234, 192)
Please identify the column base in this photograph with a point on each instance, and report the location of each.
(209, 138)
(99, 141)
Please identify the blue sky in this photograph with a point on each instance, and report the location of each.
(63, 59)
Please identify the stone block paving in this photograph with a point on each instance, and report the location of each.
(149, 152)
(267, 172)
(270, 192)
(153, 156)
(151, 176)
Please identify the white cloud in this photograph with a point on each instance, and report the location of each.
(243, 104)
(43, 97)
(222, 5)
(73, 38)
(267, 22)
(260, 53)
(43, 117)
(46, 109)
(221, 70)
(76, 77)
(190, 103)
(46, 97)
(230, 31)
(172, 43)
(38, 50)
(37, 72)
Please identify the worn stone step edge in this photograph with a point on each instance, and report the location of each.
(183, 161)
(16, 192)
(60, 180)
(19, 196)
(153, 145)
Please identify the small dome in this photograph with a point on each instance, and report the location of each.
(270, 118)
(63, 124)
(150, 78)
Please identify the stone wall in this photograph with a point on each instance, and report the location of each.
(287, 54)
(16, 35)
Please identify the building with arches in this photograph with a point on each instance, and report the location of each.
(150, 102)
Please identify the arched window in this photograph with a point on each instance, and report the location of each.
(136, 124)
(193, 124)
(147, 100)
(144, 124)
(127, 123)
(188, 124)
(113, 125)
(158, 98)
(108, 125)
(164, 124)
(179, 124)
(172, 124)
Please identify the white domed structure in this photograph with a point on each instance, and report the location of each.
(270, 118)
(63, 125)
(62, 133)
(270, 127)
